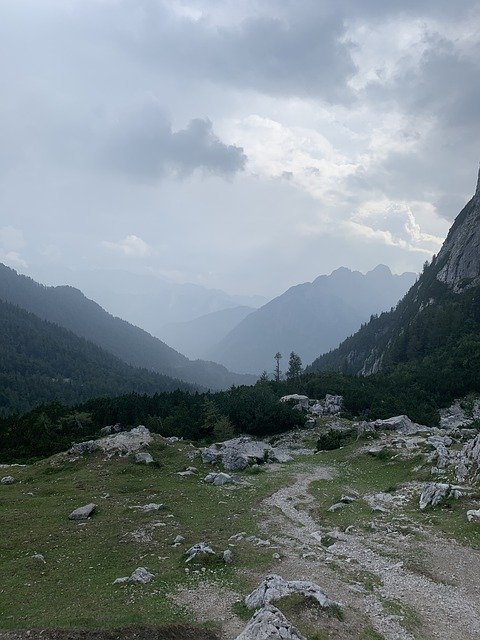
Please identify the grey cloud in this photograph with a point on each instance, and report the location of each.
(144, 145)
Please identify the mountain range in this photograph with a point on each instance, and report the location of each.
(310, 318)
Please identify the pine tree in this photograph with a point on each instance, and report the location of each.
(294, 366)
(278, 357)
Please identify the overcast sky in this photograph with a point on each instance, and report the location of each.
(241, 144)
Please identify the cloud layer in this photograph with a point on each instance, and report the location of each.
(243, 144)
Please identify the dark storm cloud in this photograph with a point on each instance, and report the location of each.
(144, 145)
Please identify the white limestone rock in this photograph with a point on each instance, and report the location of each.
(275, 587)
(199, 549)
(143, 457)
(270, 624)
(473, 515)
(7, 480)
(83, 513)
(437, 492)
(141, 575)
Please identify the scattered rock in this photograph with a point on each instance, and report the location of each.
(218, 479)
(337, 506)
(275, 587)
(269, 624)
(199, 549)
(139, 576)
(38, 557)
(228, 556)
(178, 541)
(7, 480)
(473, 515)
(143, 458)
(82, 513)
(152, 506)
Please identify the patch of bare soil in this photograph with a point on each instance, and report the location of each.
(170, 632)
(209, 601)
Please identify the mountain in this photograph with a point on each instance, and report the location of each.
(69, 308)
(196, 337)
(309, 318)
(43, 363)
(145, 300)
(437, 324)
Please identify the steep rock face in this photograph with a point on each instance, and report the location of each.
(438, 310)
(461, 249)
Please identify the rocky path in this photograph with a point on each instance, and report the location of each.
(445, 610)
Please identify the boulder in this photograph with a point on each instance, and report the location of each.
(7, 480)
(83, 513)
(38, 557)
(139, 576)
(473, 515)
(275, 587)
(219, 479)
(336, 506)
(234, 460)
(124, 443)
(143, 457)
(227, 556)
(333, 405)
(269, 624)
(199, 549)
(178, 541)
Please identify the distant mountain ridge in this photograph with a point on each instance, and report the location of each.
(147, 301)
(438, 320)
(69, 308)
(196, 337)
(310, 318)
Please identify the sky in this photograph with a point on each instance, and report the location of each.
(246, 145)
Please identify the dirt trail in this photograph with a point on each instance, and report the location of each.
(445, 610)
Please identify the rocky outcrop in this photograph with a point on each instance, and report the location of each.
(401, 424)
(275, 587)
(239, 453)
(469, 462)
(437, 492)
(270, 624)
(124, 443)
(473, 515)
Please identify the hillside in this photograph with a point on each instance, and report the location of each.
(196, 337)
(309, 318)
(42, 362)
(438, 321)
(69, 308)
(348, 520)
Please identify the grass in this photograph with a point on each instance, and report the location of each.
(73, 588)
